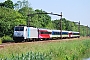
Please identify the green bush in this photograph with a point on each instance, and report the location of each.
(6, 39)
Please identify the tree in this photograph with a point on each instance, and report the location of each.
(25, 11)
(56, 24)
(20, 4)
(9, 4)
(2, 4)
(50, 25)
(43, 19)
(8, 19)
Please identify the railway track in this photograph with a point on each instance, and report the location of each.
(44, 41)
(5, 44)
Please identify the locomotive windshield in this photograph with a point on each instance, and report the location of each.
(19, 28)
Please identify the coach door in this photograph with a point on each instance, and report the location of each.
(70, 35)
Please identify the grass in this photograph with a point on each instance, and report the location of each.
(61, 50)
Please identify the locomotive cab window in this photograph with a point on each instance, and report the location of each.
(19, 28)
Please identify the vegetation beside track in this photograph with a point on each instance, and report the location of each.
(44, 50)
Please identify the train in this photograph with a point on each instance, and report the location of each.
(25, 33)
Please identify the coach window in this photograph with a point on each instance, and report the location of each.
(48, 32)
(58, 33)
(42, 32)
(76, 33)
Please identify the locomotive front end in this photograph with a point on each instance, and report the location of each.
(19, 33)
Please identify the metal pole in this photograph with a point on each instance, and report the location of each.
(83, 32)
(28, 21)
(28, 17)
(79, 28)
(61, 26)
(37, 27)
(87, 30)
